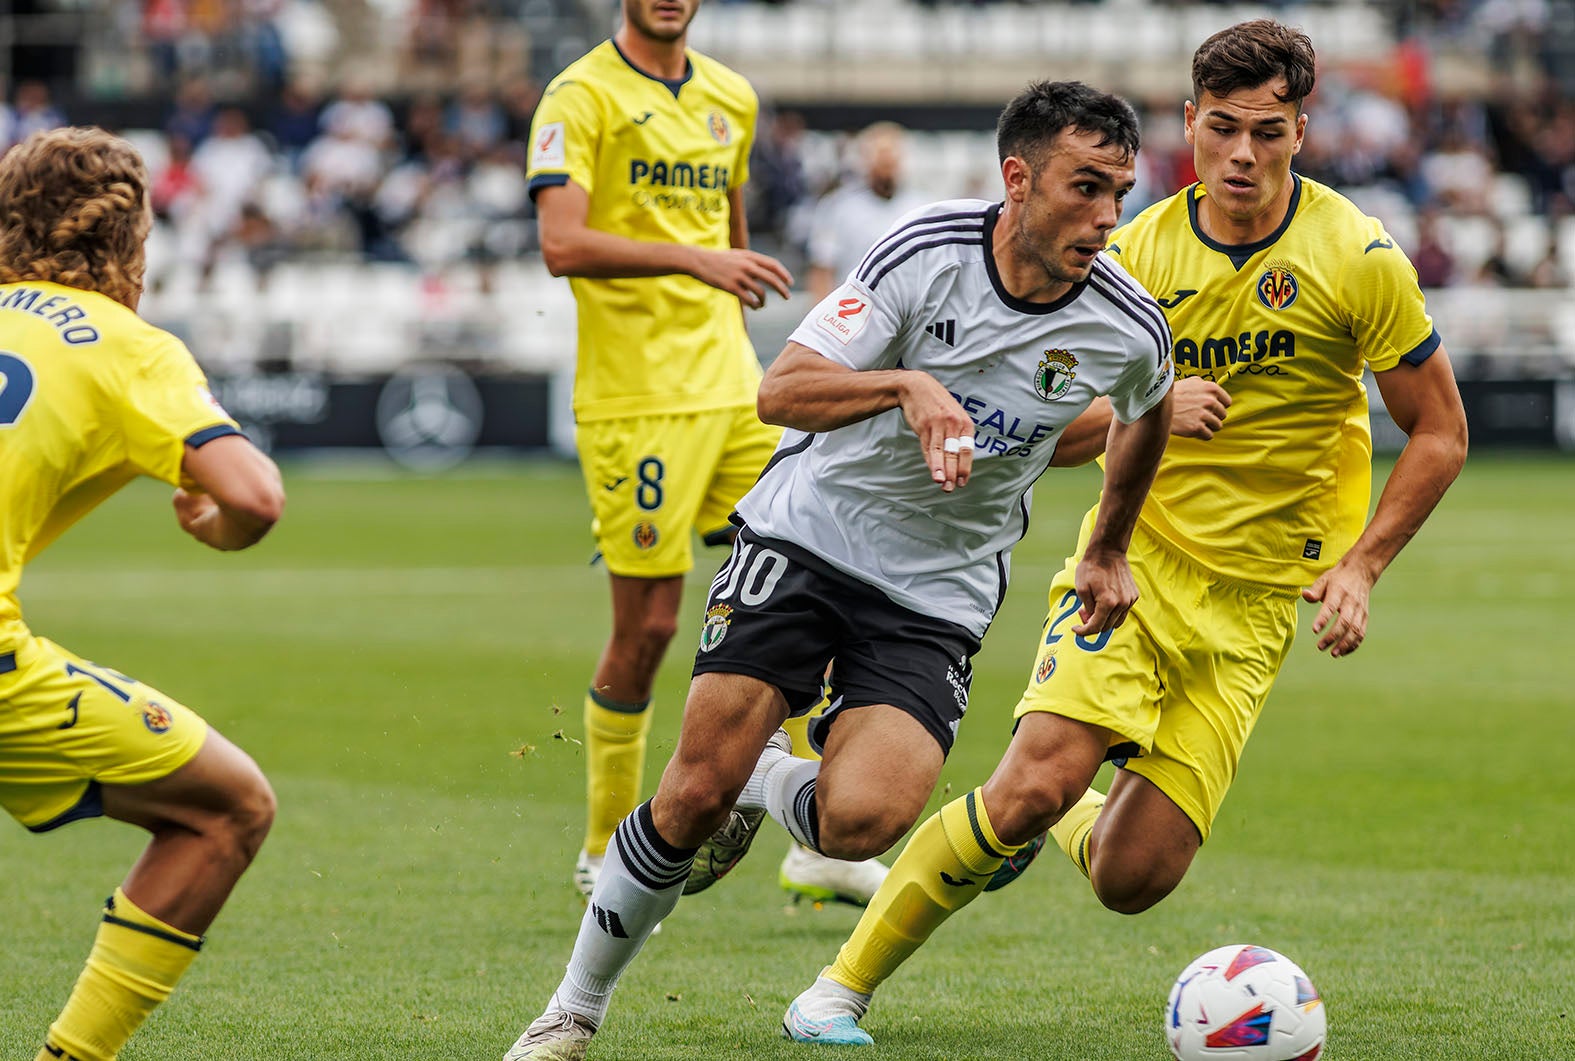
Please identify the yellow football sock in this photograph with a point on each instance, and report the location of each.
(614, 765)
(947, 863)
(135, 963)
(1076, 826)
(798, 729)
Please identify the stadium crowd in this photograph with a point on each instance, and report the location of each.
(286, 162)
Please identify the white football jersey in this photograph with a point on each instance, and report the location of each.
(928, 297)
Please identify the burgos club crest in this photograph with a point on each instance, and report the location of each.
(721, 132)
(1055, 374)
(717, 620)
(1277, 287)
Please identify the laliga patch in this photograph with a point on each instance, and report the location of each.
(847, 316)
(156, 717)
(717, 620)
(207, 398)
(546, 151)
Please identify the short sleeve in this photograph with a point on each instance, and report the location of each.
(855, 327)
(565, 136)
(1144, 380)
(167, 405)
(746, 144)
(1387, 313)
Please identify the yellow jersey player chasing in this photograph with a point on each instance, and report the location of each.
(639, 153)
(91, 396)
(1278, 292)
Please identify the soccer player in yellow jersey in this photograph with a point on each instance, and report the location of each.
(91, 396)
(1278, 292)
(639, 153)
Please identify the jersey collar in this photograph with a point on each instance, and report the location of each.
(1012, 301)
(1239, 253)
(672, 86)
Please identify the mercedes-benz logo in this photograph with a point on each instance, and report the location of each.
(429, 416)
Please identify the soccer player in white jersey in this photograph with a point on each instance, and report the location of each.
(1279, 293)
(923, 398)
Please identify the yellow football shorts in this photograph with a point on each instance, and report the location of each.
(67, 725)
(654, 479)
(1184, 677)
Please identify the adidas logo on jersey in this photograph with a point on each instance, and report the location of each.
(945, 331)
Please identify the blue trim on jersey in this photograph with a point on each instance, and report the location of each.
(1424, 349)
(960, 241)
(672, 86)
(7, 662)
(991, 216)
(1239, 253)
(1131, 304)
(910, 231)
(91, 805)
(198, 439)
(545, 180)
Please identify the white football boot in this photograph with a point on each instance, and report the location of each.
(556, 1035)
(807, 874)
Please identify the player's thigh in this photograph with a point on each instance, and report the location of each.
(220, 782)
(746, 449)
(1108, 681)
(646, 478)
(68, 727)
(1215, 690)
(1142, 840)
(727, 720)
(877, 772)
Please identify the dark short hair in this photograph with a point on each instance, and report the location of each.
(1254, 53)
(1032, 121)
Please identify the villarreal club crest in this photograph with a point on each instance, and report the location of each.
(1277, 287)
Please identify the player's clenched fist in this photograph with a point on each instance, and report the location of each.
(944, 429)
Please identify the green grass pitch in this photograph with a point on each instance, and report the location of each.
(406, 659)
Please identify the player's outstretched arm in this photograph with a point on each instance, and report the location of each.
(570, 247)
(236, 496)
(806, 391)
(1425, 403)
(1106, 590)
(1199, 410)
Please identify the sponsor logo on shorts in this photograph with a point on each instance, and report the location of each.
(645, 534)
(157, 717)
(1045, 669)
(1055, 374)
(717, 619)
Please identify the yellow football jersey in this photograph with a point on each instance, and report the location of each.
(657, 159)
(1285, 325)
(91, 396)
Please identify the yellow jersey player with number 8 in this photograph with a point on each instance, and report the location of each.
(91, 396)
(639, 153)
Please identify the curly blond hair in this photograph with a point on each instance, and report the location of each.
(74, 211)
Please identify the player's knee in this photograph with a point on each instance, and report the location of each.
(699, 803)
(250, 817)
(857, 833)
(1030, 807)
(1132, 892)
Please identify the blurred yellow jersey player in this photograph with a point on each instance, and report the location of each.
(1279, 293)
(91, 396)
(639, 152)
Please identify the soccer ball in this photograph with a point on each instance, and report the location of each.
(1244, 1003)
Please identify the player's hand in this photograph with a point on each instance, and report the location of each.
(193, 509)
(1344, 590)
(1106, 592)
(744, 273)
(944, 429)
(1199, 407)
